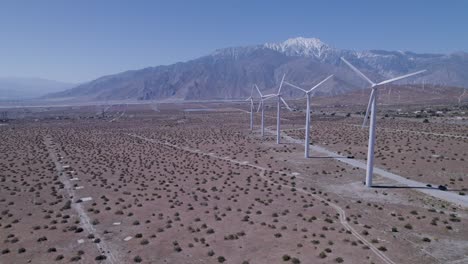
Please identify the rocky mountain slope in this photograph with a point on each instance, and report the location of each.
(231, 72)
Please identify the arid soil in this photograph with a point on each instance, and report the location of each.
(157, 184)
(433, 153)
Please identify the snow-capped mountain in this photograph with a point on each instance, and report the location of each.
(231, 72)
(307, 47)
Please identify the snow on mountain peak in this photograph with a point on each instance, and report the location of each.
(300, 47)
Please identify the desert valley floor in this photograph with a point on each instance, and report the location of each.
(191, 183)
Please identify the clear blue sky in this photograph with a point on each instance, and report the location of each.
(77, 41)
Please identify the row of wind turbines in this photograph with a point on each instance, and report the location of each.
(371, 110)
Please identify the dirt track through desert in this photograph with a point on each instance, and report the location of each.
(103, 247)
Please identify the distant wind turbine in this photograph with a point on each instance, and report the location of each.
(307, 126)
(251, 108)
(278, 108)
(461, 96)
(372, 109)
(261, 105)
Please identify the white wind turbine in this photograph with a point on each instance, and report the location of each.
(307, 126)
(372, 108)
(261, 105)
(278, 112)
(251, 108)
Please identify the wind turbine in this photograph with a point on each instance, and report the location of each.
(251, 108)
(261, 105)
(372, 108)
(307, 126)
(278, 112)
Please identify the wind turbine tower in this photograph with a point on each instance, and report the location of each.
(278, 110)
(372, 109)
(307, 126)
(261, 105)
(251, 108)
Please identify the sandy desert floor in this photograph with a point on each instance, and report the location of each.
(147, 184)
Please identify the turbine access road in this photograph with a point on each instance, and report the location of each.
(418, 186)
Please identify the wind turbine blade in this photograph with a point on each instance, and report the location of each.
(371, 99)
(357, 71)
(286, 104)
(281, 84)
(259, 105)
(316, 86)
(258, 90)
(269, 97)
(294, 86)
(251, 91)
(401, 77)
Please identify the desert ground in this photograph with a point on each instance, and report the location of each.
(191, 183)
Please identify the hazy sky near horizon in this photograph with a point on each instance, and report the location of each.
(77, 41)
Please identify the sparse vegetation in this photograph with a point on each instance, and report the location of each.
(209, 183)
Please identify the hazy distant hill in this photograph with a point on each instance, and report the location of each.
(230, 72)
(25, 88)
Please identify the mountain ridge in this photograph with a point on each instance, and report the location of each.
(229, 72)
